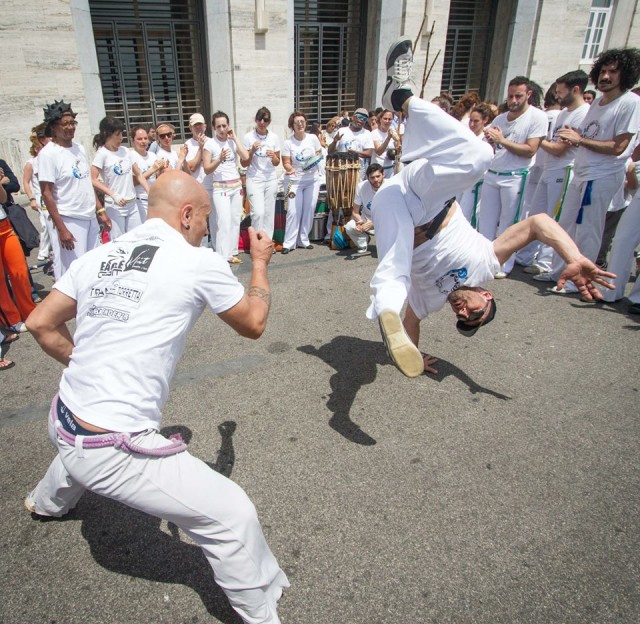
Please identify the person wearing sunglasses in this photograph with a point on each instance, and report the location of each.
(165, 133)
(355, 138)
(428, 252)
(65, 181)
(262, 179)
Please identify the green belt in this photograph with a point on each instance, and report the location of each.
(509, 173)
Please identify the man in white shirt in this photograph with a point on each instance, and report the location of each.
(557, 169)
(108, 441)
(428, 252)
(355, 138)
(604, 140)
(516, 136)
(360, 227)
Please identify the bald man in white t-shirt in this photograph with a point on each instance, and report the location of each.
(108, 441)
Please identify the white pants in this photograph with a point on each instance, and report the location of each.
(621, 261)
(548, 200)
(142, 202)
(208, 507)
(300, 210)
(262, 199)
(87, 235)
(501, 197)
(45, 239)
(361, 239)
(123, 218)
(470, 202)
(451, 159)
(588, 233)
(227, 205)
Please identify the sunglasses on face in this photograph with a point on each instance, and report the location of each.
(473, 316)
(165, 135)
(265, 119)
(361, 117)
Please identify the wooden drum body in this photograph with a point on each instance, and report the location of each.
(343, 175)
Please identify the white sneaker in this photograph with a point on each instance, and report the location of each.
(362, 251)
(399, 65)
(500, 275)
(405, 355)
(19, 328)
(544, 277)
(534, 269)
(559, 291)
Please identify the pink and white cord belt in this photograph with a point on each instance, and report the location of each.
(117, 439)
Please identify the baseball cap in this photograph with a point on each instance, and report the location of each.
(361, 111)
(467, 329)
(196, 118)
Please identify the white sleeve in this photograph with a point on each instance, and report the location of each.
(217, 286)
(286, 149)
(358, 196)
(46, 167)
(628, 118)
(98, 159)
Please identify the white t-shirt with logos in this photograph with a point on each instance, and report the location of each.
(67, 168)
(144, 164)
(131, 328)
(364, 196)
(604, 123)
(261, 168)
(117, 172)
(572, 119)
(299, 152)
(532, 124)
(205, 179)
(457, 256)
(354, 141)
(228, 169)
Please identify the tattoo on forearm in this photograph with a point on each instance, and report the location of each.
(265, 295)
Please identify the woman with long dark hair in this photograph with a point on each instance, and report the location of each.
(113, 163)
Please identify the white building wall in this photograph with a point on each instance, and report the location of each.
(41, 63)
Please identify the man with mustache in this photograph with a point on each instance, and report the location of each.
(605, 140)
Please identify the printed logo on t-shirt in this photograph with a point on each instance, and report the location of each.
(141, 258)
(97, 311)
(117, 289)
(451, 280)
(122, 167)
(304, 154)
(592, 130)
(80, 169)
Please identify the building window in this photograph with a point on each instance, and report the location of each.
(468, 44)
(151, 60)
(596, 35)
(328, 67)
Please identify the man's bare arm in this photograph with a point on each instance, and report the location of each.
(615, 147)
(47, 324)
(249, 316)
(580, 270)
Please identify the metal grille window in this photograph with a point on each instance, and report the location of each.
(468, 45)
(328, 40)
(150, 57)
(596, 30)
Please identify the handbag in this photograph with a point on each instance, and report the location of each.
(25, 231)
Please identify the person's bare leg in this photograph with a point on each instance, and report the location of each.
(412, 327)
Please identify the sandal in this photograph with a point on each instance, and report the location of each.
(6, 364)
(9, 338)
(235, 260)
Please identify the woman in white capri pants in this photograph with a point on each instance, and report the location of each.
(262, 179)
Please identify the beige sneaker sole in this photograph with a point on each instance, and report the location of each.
(404, 354)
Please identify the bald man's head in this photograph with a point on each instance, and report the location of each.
(182, 203)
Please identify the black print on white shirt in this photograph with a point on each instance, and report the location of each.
(592, 130)
(141, 258)
(97, 311)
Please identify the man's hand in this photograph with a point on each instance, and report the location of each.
(494, 135)
(202, 139)
(261, 246)
(569, 135)
(428, 361)
(585, 275)
(66, 238)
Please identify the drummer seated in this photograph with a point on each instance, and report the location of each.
(360, 227)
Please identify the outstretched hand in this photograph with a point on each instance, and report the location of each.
(585, 275)
(429, 361)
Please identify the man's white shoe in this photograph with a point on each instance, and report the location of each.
(500, 275)
(19, 328)
(399, 64)
(405, 355)
(533, 269)
(544, 277)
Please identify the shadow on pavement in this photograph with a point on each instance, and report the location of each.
(355, 361)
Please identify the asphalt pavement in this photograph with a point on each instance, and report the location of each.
(504, 489)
